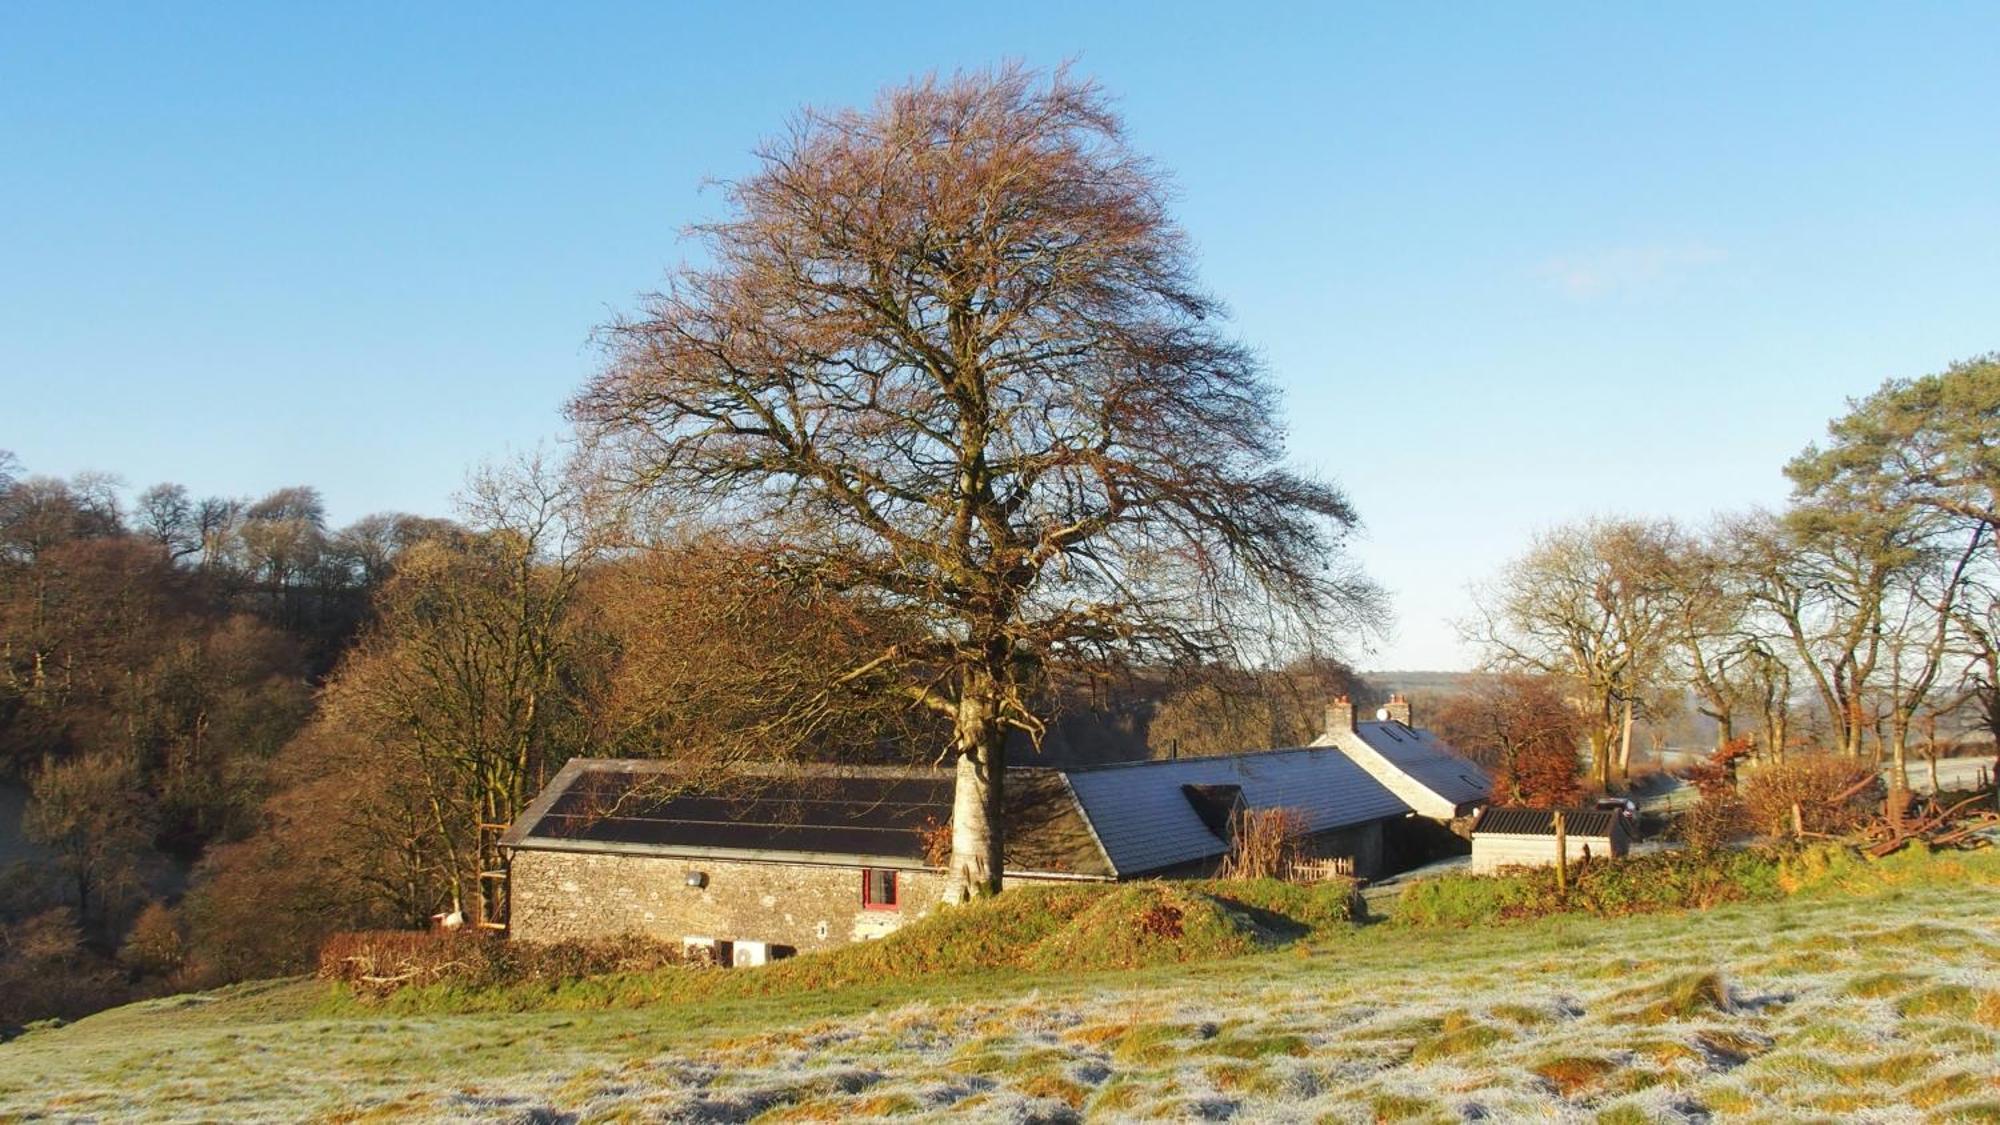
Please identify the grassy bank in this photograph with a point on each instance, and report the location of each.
(1682, 881)
(1872, 993)
(1029, 931)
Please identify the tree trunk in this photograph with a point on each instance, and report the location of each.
(1848, 717)
(977, 834)
(1625, 745)
(1899, 749)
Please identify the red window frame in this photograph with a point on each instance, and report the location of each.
(868, 900)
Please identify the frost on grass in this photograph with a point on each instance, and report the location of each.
(1884, 1009)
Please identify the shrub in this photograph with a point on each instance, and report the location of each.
(154, 948)
(46, 970)
(1846, 870)
(1149, 924)
(1464, 900)
(1683, 880)
(1712, 823)
(1811, 782)
(1635, 885)
(1313, 906)
(381, 962)
(1264, 843)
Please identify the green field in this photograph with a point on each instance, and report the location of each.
(1883, 1007)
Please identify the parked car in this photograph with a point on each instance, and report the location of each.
(1623, 806)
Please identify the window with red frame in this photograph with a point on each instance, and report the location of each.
(878, 889)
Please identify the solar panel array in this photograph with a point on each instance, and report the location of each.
(886, 816)
(862, 816)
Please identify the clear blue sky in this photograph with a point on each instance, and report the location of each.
(1515, 264)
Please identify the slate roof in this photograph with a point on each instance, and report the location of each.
(1541, 822)
(1146, 823)
(869, 816)
(1427, 760)
(1100, 822)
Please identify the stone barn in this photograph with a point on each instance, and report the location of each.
(1508, 837)
(772, 859)
(781, 859)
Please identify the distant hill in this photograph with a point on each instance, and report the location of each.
(1419, 682)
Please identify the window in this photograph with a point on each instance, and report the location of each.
(878, 889)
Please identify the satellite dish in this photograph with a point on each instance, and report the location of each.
(1381, 714)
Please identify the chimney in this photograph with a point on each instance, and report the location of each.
(1339, 715)
(1399, 708)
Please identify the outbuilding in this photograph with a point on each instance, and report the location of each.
(1515, 837)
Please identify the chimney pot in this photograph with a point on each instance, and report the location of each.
(1339, 715)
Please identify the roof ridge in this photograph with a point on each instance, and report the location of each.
(1097, 767)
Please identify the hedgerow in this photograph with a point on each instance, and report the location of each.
(379, 962)
(1679, 881)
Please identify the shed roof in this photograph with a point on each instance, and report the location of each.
(1144, 819)
(1541, 822)
(825, 814)
(1427, 760)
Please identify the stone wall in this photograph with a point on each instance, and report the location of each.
(805, 906)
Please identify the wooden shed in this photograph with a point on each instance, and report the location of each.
(1509, 837)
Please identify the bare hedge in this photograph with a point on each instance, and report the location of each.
(379, 962)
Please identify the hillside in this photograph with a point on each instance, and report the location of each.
(1885, 1008)
(1421, 682)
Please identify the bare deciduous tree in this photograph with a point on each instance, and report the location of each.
(165, 515)
(466, 672)
(950, 352)
(1587, 604)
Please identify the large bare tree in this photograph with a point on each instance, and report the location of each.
(949, 352)
(1589, 603)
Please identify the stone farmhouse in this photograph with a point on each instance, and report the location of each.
(782, 859)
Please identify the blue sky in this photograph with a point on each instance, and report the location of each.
(1514, 264)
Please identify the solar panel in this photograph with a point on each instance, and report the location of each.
(870, 816)
(815, 812)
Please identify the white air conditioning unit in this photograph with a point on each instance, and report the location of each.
(751, 953)
(700, 949)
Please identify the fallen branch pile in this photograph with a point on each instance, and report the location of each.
(1959, 825)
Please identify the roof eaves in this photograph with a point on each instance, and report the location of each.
(1104, 767)
(758, 855)
(524, 824)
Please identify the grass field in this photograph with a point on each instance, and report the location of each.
(1883, 1007)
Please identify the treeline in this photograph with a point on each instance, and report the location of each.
(240, 730)
(1862, 620)
(155, 656)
